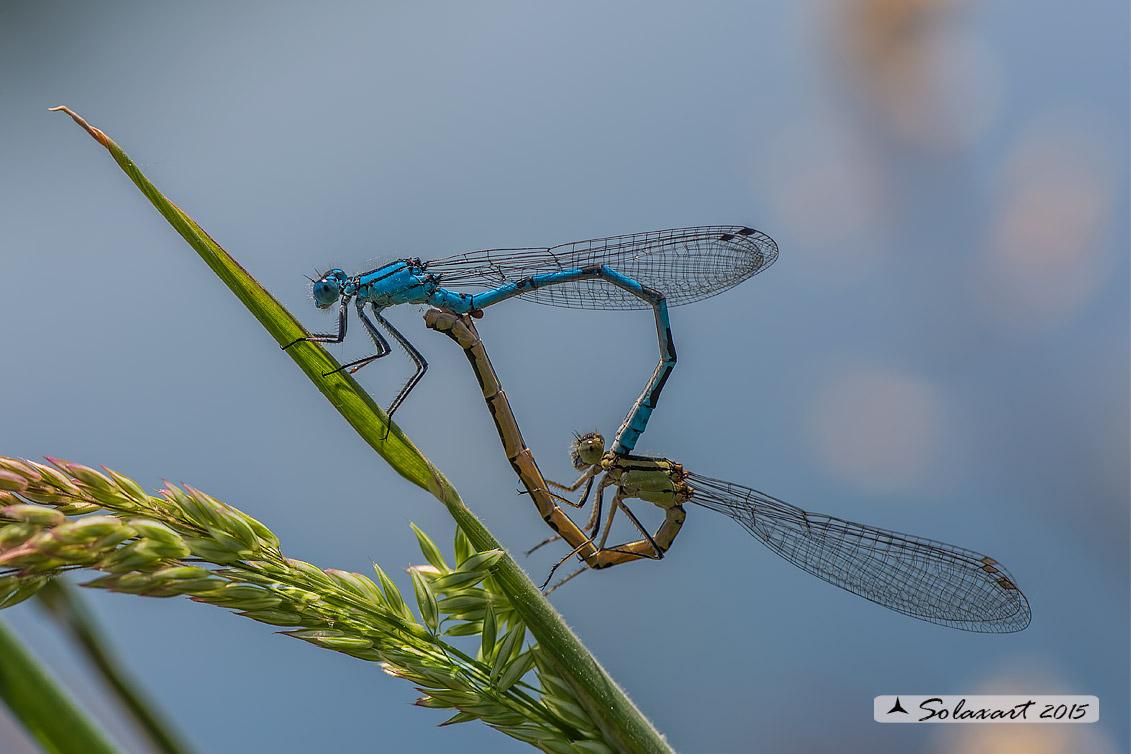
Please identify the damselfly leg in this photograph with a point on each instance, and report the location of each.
(379, 342)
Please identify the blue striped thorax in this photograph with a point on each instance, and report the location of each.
(405, 281)
(400, 282)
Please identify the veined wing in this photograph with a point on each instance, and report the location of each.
(919, 577)
(685, 264)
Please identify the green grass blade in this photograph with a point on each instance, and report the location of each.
(605, 701)
(63, 603)
(47, 713)
(343, 392)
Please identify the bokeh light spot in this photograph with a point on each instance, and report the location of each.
(875, 428)
(1042, 259)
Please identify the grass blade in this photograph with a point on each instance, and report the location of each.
(343, 392)
(60, 600)
(47, 713)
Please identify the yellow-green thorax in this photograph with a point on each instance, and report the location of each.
(655, 480)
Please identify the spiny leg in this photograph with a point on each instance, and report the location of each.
(558, 565)
(383, 349)
(560, 499)
(327, 337)
(606, 557)
(652, 547)
(608, 523)
(543, 543)
(379, 341)
(618, 502)
(588, 480)
(562, 583)
(417, 359)
(556, 496)
(593, 525)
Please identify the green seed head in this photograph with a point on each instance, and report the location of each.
(32, 514)
(10, 480)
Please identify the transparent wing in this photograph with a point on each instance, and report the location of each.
(685, 264)
(919, 577)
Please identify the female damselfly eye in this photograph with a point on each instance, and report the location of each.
(587, 450)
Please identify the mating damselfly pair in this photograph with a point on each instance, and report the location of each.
(926, 579)
(923, 578)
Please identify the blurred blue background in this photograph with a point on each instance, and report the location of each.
(941, 348)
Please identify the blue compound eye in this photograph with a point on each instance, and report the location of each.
(325, 292)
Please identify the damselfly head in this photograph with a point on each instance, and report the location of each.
(587, 450)
(328, 288)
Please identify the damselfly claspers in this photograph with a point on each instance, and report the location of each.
(622, 272)
(929, 580)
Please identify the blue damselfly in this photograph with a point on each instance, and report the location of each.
(640, 271)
